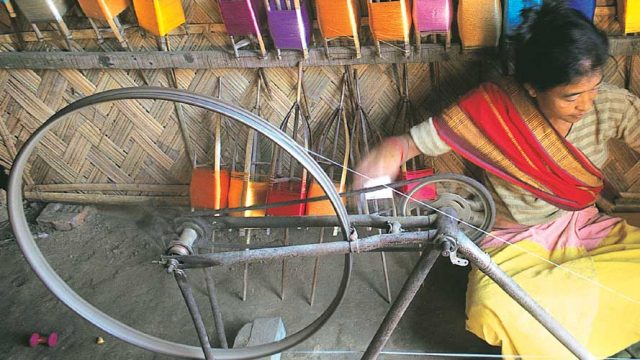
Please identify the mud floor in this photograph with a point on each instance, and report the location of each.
(108, 261)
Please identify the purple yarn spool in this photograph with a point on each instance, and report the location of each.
(242, 17)
(287, 32)
(432, 15)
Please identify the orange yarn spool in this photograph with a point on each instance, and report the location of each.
(337, 17)
(209, 190)
(390, 20)
(244, 192)
(323, 207)
(159, 17)
(103, 9)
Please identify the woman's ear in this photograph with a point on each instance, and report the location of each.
(530, 90)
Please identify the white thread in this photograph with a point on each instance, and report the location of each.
(428, 354)
(580, 276)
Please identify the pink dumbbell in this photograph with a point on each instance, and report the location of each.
(51, 340)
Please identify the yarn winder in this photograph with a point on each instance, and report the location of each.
(449, 225)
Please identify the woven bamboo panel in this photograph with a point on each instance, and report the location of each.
(138, 146)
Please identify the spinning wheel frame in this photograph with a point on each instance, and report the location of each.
(70, 298)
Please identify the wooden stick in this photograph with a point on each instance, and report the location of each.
(184, 130)
(177, 189)
(108, 199)
(218, 149)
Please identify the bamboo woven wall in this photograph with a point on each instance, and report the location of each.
(137, 144)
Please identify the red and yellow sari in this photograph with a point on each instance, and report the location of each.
(583, 268)
(503, 132)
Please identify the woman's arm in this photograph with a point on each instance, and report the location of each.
(385, 160)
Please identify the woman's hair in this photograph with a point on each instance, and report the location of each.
(556, 45)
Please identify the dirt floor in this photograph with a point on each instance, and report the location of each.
(108, 261)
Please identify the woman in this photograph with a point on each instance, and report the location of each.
(541, 138)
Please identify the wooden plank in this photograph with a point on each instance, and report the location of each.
(221, 58)
(178, 189)
(630, 195)
(620, 45)
(107, 199)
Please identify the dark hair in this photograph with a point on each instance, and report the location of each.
(556, 45)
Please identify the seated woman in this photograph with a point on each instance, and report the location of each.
(540, 139)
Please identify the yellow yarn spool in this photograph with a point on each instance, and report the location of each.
(629, 15)
(480, 23)
(159, 17)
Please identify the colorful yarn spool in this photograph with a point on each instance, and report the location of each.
(103, 9)
(629, 15)
(289, 24)
(106, 10)
(44, 10)
(337, 18)
(38, 11)
(322, 207)
(480, 23)
(159, 17)
(512, 16)
(208, 189)
(289, 190)
(427, 192)
(390, 21)
(586, 7)
(244, 192)
(432, 15)
(244, 18)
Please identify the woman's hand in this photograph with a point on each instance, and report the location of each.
(385, 160)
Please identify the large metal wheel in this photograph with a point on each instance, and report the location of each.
(109, 324)
(473, 203)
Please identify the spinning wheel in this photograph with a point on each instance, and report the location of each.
(472, 202)
(109, 324)
(457, 197)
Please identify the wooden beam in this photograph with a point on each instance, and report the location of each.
(620, 46)
(222, 58)
(107, 199)
(161, 188)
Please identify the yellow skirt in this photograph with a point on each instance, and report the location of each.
(594, 292)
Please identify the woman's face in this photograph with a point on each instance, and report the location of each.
(567, 104)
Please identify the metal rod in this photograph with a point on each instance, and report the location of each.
(484, 263)
(385, 272)
(245, 276)
(331, 248)
(187, 293)
(316, 268)
(284, 264)
(408, 292)
(215, 308)
(375, 221)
